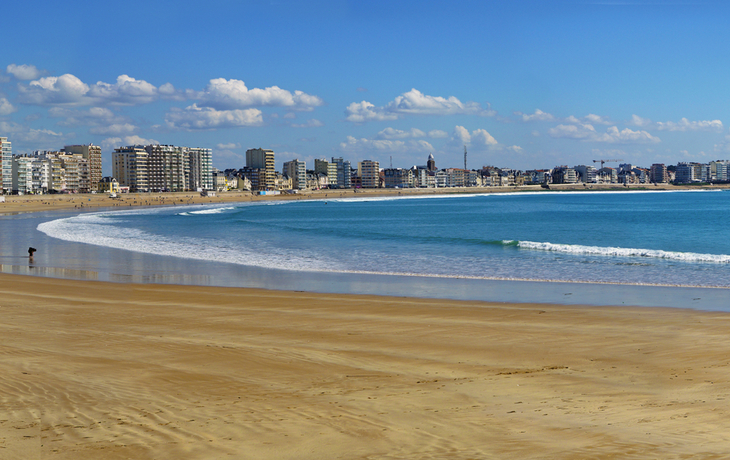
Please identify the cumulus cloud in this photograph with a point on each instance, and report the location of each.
(682, 125)
(414, 102)
(538, 115)
(478, 138)
(437, 134)
(586, 132)
(390, 133)
(94, 116)
(194, 118)
(384, 145)
(23, 71)
(222, 94)
(116, 129)
(228, 146)
(360, 112)
(6, 108)
(65, 90)
(69, 90)
(639, 121)
(126, 91)
(686, 125)
(112, 143)
(34, 138)
(313, 123)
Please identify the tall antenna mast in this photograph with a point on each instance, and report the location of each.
(464, 156)
(391, 162)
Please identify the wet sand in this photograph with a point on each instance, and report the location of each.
(94, 370)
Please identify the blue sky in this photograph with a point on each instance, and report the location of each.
(523, 84)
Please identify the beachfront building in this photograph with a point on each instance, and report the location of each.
(200, 168)
(720, 170)
(262, 159)
(586, 173)
(6, 165)
(658, 173)
(344, 174)
(129, 166)
(328, 168)
(164, 168)
(564, 175)
(92, 154)
(369, 173)
(397, 178)
(297, 170)
(22, 175)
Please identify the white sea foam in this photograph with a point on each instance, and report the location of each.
(624, 252)
(209, 211)
(96, 230)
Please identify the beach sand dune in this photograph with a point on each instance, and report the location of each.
(111, 371)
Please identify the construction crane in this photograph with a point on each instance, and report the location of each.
(605, 161)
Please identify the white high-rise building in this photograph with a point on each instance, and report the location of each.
(6, 164)
(297, 171)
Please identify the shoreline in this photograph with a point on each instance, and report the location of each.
(79, 261)
(104, 371)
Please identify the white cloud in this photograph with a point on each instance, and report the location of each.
(414, 102)
(515, 148)
(194, 117)
(94, 116)
(390, 133)
(23, 71)
(538, 115)
(313, 123)
(228, 146)
(596, 119)
(66, 90)
(586, 132)
(112, 143)
(126, 91)
(360, 112)
(686, 125)
(6, 108)
(437, 134)
(385, 145)
(114, 129)
(69, 90)
(34, 138)
(478, 138)
(639, 121)
(222, 94)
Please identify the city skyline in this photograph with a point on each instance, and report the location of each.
(522, 84)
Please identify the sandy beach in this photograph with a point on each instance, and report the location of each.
(97, 370)
(35, 203)
(94, 370)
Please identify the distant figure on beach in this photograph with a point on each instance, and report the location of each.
(31, 251)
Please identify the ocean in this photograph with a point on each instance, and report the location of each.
(436, 246)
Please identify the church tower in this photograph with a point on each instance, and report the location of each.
(431, 163)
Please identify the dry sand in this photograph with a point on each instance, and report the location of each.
(92, 370)
(34, 203)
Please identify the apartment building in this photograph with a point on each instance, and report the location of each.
(92, 154)
(6, 165)
(297, 171)
(262, 159)
(344, 174)
(129, 167)
(163, 168)
(369, 173)
(658, 173)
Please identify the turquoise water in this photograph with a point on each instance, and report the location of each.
(647, 238)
